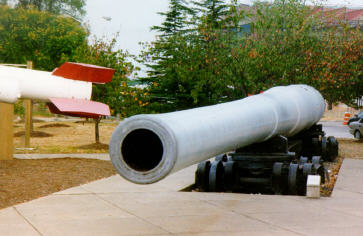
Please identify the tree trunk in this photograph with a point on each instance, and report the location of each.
(330, 106)
(97, 131)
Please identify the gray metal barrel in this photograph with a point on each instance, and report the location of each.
(146, 148)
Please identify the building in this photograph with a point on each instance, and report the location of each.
(329, 15)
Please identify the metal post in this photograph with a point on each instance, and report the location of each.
(6, 131)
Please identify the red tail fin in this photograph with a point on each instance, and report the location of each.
(78, 107)
(85, 72)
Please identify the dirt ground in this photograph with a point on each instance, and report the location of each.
(351, 148)
(24, 180)
(348, 148)
(64, 137)
(333, 167)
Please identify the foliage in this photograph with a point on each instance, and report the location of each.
(37, 36)
(290, 45)
(335, 65)
(295, 46)
(190, 67)
(209, 60)
(214, 13)
(74, 8)
(19, 108)
(175, 18)
(159, 57)
(121, 98)
(281, 33)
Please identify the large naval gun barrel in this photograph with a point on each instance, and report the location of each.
(146, 148)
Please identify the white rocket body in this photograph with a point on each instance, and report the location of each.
(67, 90)
(18, 83)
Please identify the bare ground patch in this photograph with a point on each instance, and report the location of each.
(97, 146)
(348, 148)
(54, 125)
(351, 148)
(34, 134)
(78, 138)
(34, 121)
(24, 180)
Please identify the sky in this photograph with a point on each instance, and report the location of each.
(132, 19)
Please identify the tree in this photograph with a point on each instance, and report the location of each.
(176, 19)
(121, 98)
(41, 37)
(335, 65)
(213, 12)
(290, 44)
(190, 66)
(160, 55)
(212, 61)
(217, 78)
(74, 8)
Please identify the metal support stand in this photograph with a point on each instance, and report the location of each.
(276, 166)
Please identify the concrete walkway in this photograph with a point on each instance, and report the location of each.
(336, 129)
(113, 206)
(100, 156)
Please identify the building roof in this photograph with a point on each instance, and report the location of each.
(355, 15)
(328, 14)
(338, 13)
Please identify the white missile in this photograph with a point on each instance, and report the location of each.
(67, 89)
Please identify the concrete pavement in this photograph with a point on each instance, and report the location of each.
(113, 206)
(336, 129)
